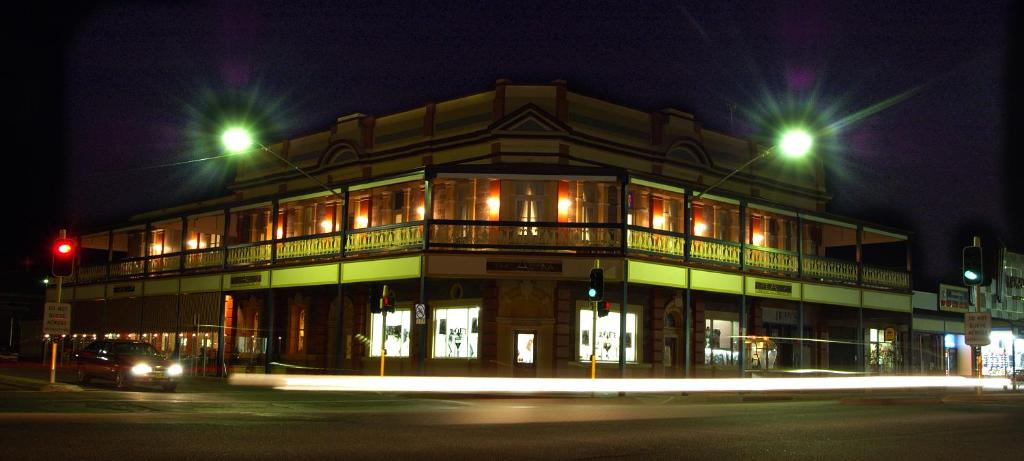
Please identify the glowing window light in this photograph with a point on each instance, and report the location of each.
(494, 204)
(700, 228)
(280, 232)
(156, 249)
(362, 221)
(659, 222)
(193, 244)
(564, 204)
(421, 211)
(326, 225)
(758, 238)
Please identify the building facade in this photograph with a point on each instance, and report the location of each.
(490, 211)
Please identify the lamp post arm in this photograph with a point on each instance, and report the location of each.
(741, 168)
(300, 170)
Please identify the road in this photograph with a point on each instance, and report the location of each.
(209, 419)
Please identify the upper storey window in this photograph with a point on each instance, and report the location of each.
(772, 230)
(526, 200)
(386, 205)
(312, 216)
(165, 237)
(205, 231)
(129, 243)
(716, 219)
(655, 208)
(252, 225)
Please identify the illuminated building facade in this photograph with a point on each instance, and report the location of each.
(491, 210)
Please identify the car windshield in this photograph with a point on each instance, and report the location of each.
(134, 349)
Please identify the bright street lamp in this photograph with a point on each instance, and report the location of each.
(793, 143)
(239, 140)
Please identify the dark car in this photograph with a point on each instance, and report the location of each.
(126, 363)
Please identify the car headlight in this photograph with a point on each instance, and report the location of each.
(141, 369)
(174, 370)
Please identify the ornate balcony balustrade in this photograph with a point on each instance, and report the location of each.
(836, 270)
(516, 236)
(385, 238)
(309, 246)
(213, 257)
(885, 278)
(127, 268)
(91, 273)
(654, 242)
(164, 263)
(715, 251)
(249, 254)
(771, 259)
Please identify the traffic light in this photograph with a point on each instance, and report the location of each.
(603, 308)
(595, 291)
(388, 301)
(63, 262)
(972, 266)
(374, 300)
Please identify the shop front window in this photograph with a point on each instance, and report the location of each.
(883, 354)
(607, 337)
(395, 333)
(456, 332)
(721, 342)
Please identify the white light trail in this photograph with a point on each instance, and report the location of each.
(452, 384)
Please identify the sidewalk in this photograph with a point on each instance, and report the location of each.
(36, 376)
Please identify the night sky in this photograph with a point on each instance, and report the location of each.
(103, 98)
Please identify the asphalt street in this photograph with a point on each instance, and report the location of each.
(207, 418)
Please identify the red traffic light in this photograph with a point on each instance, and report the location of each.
(63, 257)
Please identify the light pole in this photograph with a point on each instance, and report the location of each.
(238, 140)
(793, 143)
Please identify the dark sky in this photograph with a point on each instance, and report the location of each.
(916, 94)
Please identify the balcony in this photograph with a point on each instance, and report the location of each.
(771, 260)
(249, 254)
(394, 237)
(830, 269)
(127, 268)
(309, 247)
(88, 274)
(199, 259)
(885, 278)
(656, 242)
(515, 236)
(715, 251)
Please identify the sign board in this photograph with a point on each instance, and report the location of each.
(890, 334)
(56, 319)
(977, 328)
(954, 298)
(779, 316)
(421, 314)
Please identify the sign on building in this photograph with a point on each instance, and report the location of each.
(421, 314)
(954, 298)
(977, 328)
(56, 319)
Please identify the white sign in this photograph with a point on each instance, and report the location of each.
(421, 314)
(978, 327)
(57, 319)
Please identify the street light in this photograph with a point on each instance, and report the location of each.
(238, 140)
(793, 143)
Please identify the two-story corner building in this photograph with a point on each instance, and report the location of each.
(491, 210)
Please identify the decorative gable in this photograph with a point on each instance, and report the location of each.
(530, 119)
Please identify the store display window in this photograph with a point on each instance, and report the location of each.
(395, 333)
(607, 338)
(456, 332)
(721, 342)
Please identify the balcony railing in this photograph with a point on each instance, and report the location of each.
(771, 259)
(309, 246)
(213, 257)
(165, 263)
(835, 270)
(885, 278)
(385, 238)
(716, 251)
(536, 236)
(656, 242)
(127, 268)
(91, 273)
(249, 254)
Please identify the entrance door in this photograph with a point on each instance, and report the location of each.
(525, 360)
(671, 355)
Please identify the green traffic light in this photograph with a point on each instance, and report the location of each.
(970, 275)
(236, 140)
(592, 293)
(795, 143)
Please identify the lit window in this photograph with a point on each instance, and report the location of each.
(396, 333)
(456, 331)
(607, 340)
(301, 343)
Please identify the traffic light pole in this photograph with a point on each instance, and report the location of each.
(53, 345)
(976, 350)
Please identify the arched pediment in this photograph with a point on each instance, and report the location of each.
(688, 150)
(340, 153)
